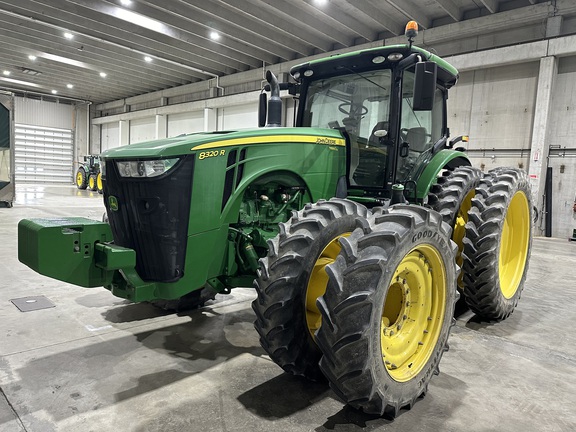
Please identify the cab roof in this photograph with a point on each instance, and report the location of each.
(359, 61)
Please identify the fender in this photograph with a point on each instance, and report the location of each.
(444, 159)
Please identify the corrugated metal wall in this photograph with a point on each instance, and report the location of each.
(43, 155)
(44, 146)
(35, 112)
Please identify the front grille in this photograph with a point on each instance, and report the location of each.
(152, 218)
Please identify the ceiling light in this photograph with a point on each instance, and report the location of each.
(6, 72)
(103, 74)
(69, 86)
(54, 91)
(32, 57)
(65, 60)
(68, 35)
(141, 20)
(148, 59)
(214, 35)
(15, 81)
(126, 2)
(320, 2)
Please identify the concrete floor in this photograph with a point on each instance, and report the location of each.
(98, 363)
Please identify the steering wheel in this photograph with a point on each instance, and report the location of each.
(350, 112)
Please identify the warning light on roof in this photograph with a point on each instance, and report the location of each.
(411, 31)
(465, 138)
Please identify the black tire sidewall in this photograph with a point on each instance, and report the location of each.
(417, 384)
(305, 237)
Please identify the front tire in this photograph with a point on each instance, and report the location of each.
(498, 243)
(387, 312)
(81, 178)
(293, 276)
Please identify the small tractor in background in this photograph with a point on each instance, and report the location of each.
(88, 174)
(354, 225)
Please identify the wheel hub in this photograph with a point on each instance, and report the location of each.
(413, 313)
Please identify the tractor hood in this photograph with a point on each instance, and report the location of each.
(186, 144)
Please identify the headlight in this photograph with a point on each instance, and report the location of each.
(103, 167)
(145, 168)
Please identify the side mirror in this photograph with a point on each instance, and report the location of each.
(262, 109)
(424, 86)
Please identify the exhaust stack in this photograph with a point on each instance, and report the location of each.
(274, 103)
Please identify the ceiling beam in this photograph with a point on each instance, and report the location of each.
(334, 14)
(253, 40)
(451, 9)
(411, 11)
(491, 23)
(82, 46)
(257, 10)
(108, 29)
(308, 16)
(375, 13)
(491, 5)
(158, 29)
(73, 62)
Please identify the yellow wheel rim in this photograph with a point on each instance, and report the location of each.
(79, 179)
(460, 229)
(91, 182)
(514, 244)
(413, 314)
(318, 282)
(99, 181)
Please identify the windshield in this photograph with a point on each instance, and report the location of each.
(359, 103)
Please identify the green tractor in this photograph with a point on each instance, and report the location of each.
(88, 175)
(352, 226)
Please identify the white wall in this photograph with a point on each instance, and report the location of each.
(142, 130)
(563, 135)
(238, 117)
(109, 136)
(495, 107)
(185, 123)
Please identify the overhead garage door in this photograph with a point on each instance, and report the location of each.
(43, 155)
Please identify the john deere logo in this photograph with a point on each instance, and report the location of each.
(113, 203)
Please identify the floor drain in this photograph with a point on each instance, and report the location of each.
(28, 304)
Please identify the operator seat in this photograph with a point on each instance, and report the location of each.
(417, 137)
(418, 141)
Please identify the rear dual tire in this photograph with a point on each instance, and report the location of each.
(498, 243)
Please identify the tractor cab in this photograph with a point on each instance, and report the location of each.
(389, 103)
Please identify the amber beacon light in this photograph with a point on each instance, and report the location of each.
(411, 31)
